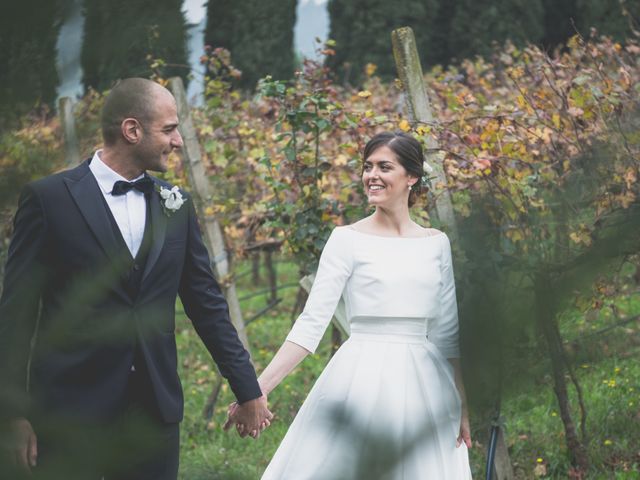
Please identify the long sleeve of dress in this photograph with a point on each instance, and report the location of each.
(444, 330)
(336, 265)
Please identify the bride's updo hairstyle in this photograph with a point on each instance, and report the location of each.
(408, 151)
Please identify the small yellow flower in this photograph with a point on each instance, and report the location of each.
(370, 69)
(364, 94)
(539, 460)
(404, 126)
(554, 414)
(616, 370)
(608, 442)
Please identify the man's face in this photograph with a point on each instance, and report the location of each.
(160, 135)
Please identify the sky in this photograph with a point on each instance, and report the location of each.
(312, 22)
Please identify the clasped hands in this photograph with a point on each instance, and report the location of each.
(250, 418)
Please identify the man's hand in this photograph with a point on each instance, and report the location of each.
(25, 443)
(250, 418)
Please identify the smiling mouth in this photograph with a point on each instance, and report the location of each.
(376, 188)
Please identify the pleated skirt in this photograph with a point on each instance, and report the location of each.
(385, 407)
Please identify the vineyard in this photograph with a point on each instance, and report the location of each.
(541, 156)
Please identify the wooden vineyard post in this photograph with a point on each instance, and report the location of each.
(212, 230)
(419, 110)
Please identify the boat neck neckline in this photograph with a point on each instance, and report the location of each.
(394, 237)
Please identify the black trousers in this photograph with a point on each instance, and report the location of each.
(136, 445)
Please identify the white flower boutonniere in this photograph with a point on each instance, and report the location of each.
(172, 199)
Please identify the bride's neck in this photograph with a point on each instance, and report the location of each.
(396, 221)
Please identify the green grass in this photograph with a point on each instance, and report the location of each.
(607, 366)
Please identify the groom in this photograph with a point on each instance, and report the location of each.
(88, 371)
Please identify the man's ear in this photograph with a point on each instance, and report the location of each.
(131, 130)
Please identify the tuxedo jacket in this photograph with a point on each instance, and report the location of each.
(66, 279)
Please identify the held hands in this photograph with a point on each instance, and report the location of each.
(250, 418)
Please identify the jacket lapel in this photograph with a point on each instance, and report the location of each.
(86, 193)
(159, 230)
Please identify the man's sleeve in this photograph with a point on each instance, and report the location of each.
(24, 278)
(207, 308)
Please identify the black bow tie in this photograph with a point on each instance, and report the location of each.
(144, 185)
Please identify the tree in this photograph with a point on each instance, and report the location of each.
(124, 37)
(362, 29)
(28, 33)
(559, 22)
(476, 25)
(258, 33)
(610, 17)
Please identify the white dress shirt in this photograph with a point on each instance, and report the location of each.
(129, 210)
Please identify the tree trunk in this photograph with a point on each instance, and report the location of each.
(549, 328)
(272, 275)
(419, 110)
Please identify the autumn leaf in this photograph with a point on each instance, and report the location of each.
(575, 111)
(404, 125)
(370, 69)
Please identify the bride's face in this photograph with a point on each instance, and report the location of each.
(385, 180)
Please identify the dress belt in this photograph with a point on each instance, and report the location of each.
(389, 329)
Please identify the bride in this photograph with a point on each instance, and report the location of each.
(391, 402)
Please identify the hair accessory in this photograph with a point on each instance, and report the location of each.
(426, 178)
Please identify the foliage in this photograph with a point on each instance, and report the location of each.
(27, 153)
(304, 202)
(476, 25)
(526, 129)
(292, 152)
(533, 427)
(617, 18)
(541, 156)
(448, 31)
(362, 28)
(122, 37)
(28, 32)
(259, 33)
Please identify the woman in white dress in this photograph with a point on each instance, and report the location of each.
(390, 403)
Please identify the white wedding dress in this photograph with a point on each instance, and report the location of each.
(386, 405)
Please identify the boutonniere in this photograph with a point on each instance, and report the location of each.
(172, 199)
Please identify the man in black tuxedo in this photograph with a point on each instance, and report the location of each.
(88, 368)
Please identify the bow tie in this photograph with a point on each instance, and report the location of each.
(144, 185)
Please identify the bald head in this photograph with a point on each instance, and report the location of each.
(129, 98)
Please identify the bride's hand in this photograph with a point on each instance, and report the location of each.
(465, 430)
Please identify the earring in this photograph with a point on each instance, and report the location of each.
(409, 186)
